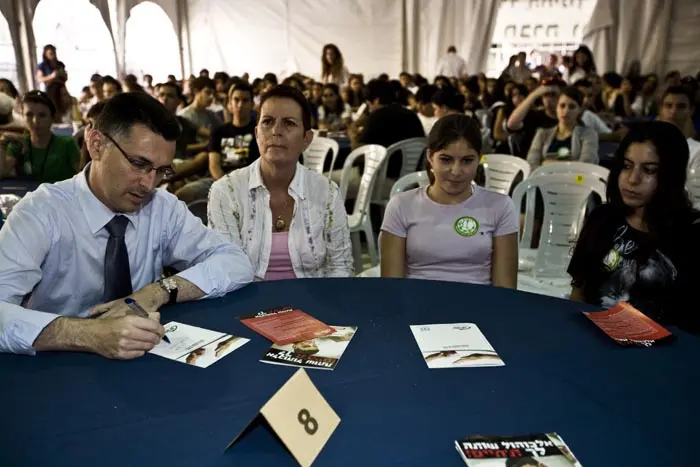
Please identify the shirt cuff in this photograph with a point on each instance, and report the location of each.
(197, 276)
(19, 328)
(217, 276)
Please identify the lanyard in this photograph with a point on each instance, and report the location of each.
(47, 151)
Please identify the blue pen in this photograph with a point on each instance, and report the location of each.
(141, 312)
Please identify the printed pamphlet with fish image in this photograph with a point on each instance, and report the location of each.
(320, 352)
(456, 345)
(196, 346)
(536, 450)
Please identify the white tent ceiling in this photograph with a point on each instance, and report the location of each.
(374, 35)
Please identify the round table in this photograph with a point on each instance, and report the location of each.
(614, 406)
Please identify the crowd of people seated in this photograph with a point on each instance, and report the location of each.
(114, 162)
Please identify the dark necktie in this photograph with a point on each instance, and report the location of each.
(117, 271)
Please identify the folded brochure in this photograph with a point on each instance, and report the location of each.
(536, 450)
(321, 352)
(196, 346)
(628, 326)
(285, 325)
(454, 345)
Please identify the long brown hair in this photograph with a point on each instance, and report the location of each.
(449, 129)
(335, 68)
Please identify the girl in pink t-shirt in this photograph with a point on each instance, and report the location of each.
(452, 230)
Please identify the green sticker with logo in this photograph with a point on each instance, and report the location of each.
(612, 260)
(466, 226)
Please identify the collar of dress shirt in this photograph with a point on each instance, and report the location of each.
(297, 186)
(96, 213)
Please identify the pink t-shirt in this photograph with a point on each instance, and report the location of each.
(280, 264)
(450, 242)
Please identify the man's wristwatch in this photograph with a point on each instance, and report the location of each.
(170, 286)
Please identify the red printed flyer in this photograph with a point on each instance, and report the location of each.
(628, 326)
(286, 325)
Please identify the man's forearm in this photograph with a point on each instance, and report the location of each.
(187, 291)
(65, 333)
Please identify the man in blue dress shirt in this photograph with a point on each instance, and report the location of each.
(77, 248)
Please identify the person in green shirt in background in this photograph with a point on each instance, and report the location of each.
(40, 156)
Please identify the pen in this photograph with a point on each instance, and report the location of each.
(136, 308)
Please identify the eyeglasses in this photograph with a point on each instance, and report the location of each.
(143, 166)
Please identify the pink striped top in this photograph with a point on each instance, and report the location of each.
(280, 264)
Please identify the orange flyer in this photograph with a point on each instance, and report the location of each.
(286, 325)
(628, 326)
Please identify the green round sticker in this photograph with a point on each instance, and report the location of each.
(466, 226)
(563, 153)
(611, 260)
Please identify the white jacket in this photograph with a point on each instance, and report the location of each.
(319, 237)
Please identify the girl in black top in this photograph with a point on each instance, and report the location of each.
(643, 246)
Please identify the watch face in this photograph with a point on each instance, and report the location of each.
(169, 283)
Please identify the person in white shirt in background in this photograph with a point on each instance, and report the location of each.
(677, 108)
(591, 119)
(451, 64)
(408, 82)
(424, 104)
(290, 220)
(79, 248)
(519, 71)
(333, 69)
(582, 65)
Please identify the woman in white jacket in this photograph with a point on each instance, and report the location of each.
(290, 220)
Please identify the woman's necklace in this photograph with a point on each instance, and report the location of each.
(280, 224)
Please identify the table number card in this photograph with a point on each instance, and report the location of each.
(300, 416)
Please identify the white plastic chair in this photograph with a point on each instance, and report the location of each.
(580, 171)
(359, 221)
(693, 184)
(411, 151)
(317, 152)
(501, 170)
(564, 196)
(404, 183)
(579, 168)
(408, 181)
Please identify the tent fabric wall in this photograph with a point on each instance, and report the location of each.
(367, 32)
(375, 36)
(19, 14)
(239, 35)
(618, 36)
(437, 24)
(9, 11)
(683, 52)
(286, 36)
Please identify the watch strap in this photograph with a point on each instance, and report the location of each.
(172, 291)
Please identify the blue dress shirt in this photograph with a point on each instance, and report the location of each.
(52, 250)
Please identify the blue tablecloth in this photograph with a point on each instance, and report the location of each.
(614, 406)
